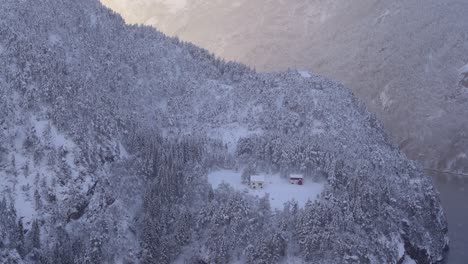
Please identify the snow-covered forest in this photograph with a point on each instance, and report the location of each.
(401, 58)
(109, 131)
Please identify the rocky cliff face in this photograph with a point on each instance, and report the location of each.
(109, 130)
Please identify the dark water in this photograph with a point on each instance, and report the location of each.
(454, 195)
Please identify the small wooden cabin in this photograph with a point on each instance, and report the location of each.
(257, 181)
(296, 179)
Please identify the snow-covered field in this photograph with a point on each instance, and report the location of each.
(279, 189)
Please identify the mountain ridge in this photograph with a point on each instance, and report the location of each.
(111, 129)
(393, 55)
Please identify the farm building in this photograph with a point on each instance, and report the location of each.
(296, 179)
(257, 181)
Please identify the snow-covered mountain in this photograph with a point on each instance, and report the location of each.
(108, 133)
(400, 57)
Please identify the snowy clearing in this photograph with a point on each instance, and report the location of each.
(279, 189)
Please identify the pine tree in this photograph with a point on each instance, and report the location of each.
(47, 136)
(95, 253)
(13, 166)
(37, 200)
(248, 171)
(3, 222)
(20, 238)
(35, 235)
(62, 250)
(26, 170)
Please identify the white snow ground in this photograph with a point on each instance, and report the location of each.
(279, 189)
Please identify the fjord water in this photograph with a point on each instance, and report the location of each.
(454, 196)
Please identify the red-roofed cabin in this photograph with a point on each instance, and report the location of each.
(296, 179)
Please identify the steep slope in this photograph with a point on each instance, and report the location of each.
(400, 57)
(109, 131)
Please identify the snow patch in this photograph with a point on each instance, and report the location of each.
(279, 189)
(408, 260)
(24, 199)
(304, 74)
(436, 115)
(318, 127)
(93, 20)
(465, 91)
(58, 139)
(401, 249)
(464, 69)
(54, 39)
(123, 152)
(383, 16)
(385, 98)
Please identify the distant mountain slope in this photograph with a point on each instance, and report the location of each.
(400, 57)
(108, 133)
